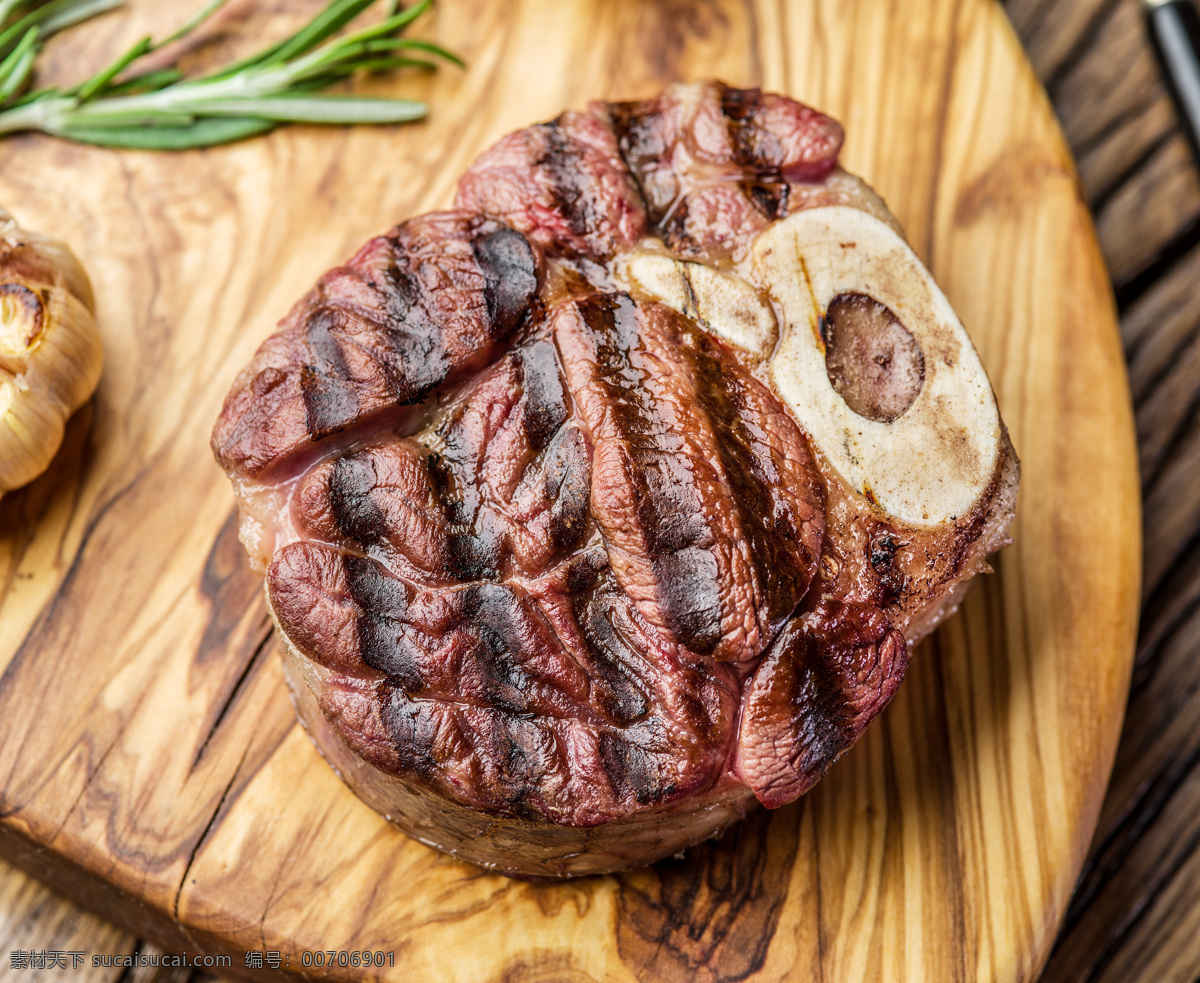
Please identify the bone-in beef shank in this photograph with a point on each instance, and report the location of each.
(609, 503)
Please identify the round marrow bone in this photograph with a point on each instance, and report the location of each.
(935, 460)
(924, 466)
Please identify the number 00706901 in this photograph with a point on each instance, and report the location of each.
(332, 957)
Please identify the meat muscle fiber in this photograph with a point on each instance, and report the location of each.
(562, 584)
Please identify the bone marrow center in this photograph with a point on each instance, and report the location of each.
(873, 361)
(875, 365)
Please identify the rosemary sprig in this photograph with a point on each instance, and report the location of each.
(25, 25)
(162, 110)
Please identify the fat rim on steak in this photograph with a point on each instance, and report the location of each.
(608, 504)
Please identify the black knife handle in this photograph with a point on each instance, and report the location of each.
(1175, 34)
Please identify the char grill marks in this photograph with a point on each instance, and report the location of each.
(414, 310)
(716, 164)
(823, 680)
(702, 486)
(563, 546)
(525, 701)
(496, 488)
(560, 581)
(563, 184)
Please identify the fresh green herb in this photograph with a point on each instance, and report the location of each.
(25, 24)
(162, 110)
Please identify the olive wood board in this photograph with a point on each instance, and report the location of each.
(150, 764)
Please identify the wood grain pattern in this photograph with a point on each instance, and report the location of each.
(148, 757)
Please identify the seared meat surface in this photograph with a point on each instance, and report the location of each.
(544, 600)
(563, 184)
(715, 163)
(564, 580)
(412, 311)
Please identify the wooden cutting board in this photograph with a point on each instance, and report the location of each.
(149, 761)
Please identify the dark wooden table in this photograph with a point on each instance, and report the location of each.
(1136, 912)
(1135, 917)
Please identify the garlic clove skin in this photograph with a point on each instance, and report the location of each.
(42, 259)
(50, 354)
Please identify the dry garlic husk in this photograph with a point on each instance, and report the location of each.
(50, 355)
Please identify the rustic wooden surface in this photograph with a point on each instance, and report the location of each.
(148, 760)
(41, 929)
(1135, 917)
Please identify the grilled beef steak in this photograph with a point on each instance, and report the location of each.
(609, 503)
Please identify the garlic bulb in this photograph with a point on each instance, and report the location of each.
(50, 355)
